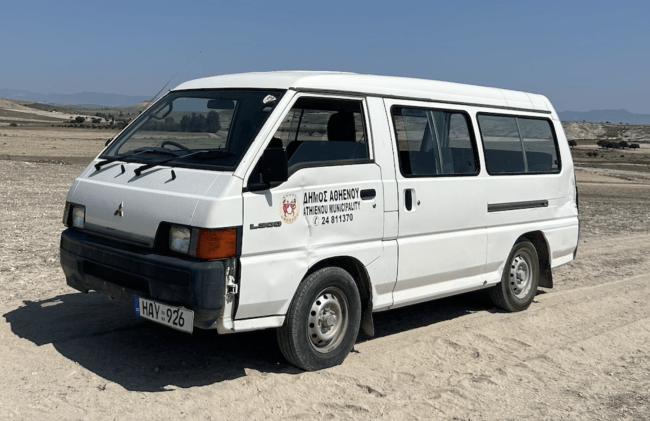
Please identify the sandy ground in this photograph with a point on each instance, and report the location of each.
(54, 145)
(581, 352)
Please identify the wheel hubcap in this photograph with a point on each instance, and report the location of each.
(327, 320)
(520, 275)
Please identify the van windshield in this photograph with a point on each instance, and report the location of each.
(220, 123)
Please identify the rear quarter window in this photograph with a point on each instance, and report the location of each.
(518, 145)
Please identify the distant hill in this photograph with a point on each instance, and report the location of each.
(86, 98)
(602, 116)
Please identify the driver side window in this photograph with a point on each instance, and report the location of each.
(319, 131)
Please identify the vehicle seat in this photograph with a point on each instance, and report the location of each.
(292, 146)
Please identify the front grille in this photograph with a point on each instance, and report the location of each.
(116, 277)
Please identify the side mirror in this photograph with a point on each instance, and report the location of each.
(274, 166)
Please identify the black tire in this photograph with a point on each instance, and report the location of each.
(514, 293)
(326, 304)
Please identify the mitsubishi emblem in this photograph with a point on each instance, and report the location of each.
(119, 211)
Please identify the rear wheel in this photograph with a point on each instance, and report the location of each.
(520, 278)
(323, 320)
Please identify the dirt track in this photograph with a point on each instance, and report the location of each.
(580, 352)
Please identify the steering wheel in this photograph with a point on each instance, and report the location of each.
(178, 145)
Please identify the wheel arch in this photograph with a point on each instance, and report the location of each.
(538, 239)
(361, 278)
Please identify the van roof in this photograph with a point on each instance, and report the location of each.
(385, 86)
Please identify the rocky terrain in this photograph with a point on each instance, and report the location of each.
(606, 131)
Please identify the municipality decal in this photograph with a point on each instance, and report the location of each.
(289, 208)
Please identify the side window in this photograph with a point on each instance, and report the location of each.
(503, 154)
(323, 130)
(518, 145)
(433, 142)
(539, 144)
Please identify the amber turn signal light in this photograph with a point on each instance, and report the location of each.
(216, 244)
(65, 214)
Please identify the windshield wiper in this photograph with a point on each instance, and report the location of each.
(207, 154)
(132, 153)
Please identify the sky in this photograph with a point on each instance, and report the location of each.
(582, 55)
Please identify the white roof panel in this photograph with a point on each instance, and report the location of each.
(516, 99)
(373, 85)
(540, 102)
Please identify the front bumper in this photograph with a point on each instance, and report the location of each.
(122, 272)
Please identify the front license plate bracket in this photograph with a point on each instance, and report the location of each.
(178, 318)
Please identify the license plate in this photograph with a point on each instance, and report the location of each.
(174, 317)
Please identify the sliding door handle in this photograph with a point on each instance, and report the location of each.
(408, 199)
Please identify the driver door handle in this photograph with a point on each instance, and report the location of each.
(368, 194)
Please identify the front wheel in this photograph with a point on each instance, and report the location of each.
(520, 278)
(323, 320)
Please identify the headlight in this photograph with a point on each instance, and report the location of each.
(203, 243)
(179, 239)
(78, 216)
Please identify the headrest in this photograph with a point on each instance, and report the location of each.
(276, 142)
(340, 127)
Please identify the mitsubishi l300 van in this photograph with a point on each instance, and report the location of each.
(306, 201)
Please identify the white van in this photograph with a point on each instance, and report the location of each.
(306, 201)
